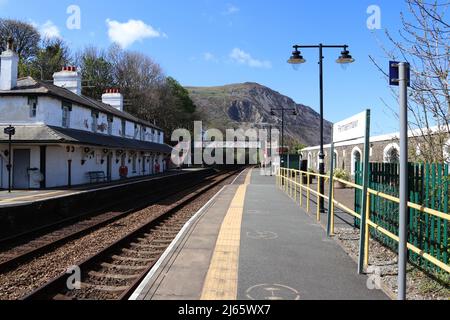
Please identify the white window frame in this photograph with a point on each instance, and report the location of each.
(136, 131)
(66, 111)
(94, 123)
(336, 161)
(353, 159)
(387, 150)
(110, 125)
(33, 104)
(124, 128)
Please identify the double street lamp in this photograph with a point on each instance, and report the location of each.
(344, 59)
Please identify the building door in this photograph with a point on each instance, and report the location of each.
(144, 161)
(20, 169)
(1, 172)
(109, 167)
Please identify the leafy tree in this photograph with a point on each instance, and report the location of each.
(185, 102)
(50, 58)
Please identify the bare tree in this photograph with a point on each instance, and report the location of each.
(26, 37)
(149, 94)
(424, 42)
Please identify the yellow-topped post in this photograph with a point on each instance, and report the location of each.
(301, 188)
(307, 193)
(367, 233)
(318, 197)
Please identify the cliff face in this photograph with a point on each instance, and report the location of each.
(243, 105)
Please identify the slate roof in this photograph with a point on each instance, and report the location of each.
(41, 134)
(30, 86)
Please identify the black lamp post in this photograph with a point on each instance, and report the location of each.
(10, 131)
(344, 59)
(283, 111)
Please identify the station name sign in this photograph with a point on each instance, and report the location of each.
(351, 128)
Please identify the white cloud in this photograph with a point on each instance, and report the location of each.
(231, 9)
(242, 57)
(47, 30)
(127, 33)
(208, 56)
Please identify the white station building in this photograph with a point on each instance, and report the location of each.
(64, 139)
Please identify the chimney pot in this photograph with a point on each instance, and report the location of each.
(71, 81)
(10, 45)
(114, 98)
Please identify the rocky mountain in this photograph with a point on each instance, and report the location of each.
(247, 104)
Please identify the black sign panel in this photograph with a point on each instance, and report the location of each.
(10, 131)
(394, 74)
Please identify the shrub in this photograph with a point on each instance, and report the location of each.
(341, 174)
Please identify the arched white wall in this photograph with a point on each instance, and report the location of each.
(318, 161)
(310, 159)
(336, 163)
(388, 148)
(354, 151)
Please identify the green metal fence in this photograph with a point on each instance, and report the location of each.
(291, 161)
(429, 187)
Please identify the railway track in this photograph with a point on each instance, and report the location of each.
(26, 246)
(116, 271)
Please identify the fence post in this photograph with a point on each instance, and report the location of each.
(301, 189)
(364, 195)
(307, 192)
(367, 233)
(318, 197)
(403, 208)
(330, 226)
(295, 186)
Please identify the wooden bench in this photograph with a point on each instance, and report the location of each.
(97, 176)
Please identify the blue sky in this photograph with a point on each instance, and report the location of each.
(215, 42)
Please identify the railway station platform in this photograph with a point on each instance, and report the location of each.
(25, 197)
(252, 242)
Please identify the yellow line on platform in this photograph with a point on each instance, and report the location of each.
(222, 279)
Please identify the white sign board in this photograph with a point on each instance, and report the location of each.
(351, 128)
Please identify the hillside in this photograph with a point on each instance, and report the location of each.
(246, 104)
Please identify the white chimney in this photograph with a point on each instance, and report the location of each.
(114, 98)
(9, 69)
(68, 78)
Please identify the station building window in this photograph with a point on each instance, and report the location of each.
(124, 128)
(94, 116)
(110, 125)
(66, 109)
(136, 131)
(356, 158)
(391, 153)
(32, 103)
(336, 160)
